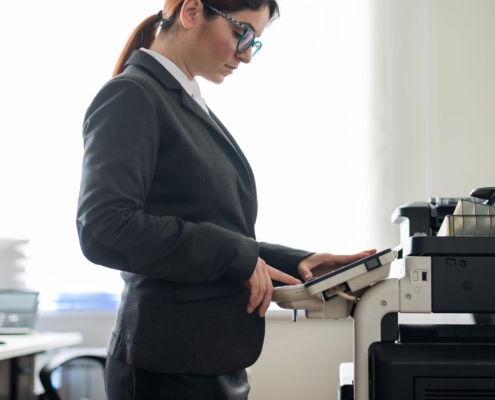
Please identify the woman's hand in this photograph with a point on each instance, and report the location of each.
(322, 263)
(261, 286)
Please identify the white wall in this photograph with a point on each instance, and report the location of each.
(433, 103)
(462, 95)
(301, 360)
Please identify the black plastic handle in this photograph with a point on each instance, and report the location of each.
(487, 194)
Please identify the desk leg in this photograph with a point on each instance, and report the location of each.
(22, 378)
(4, 379)
(13, 379)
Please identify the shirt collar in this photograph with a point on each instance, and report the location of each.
(191, 87)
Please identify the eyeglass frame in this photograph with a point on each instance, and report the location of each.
(246, 28)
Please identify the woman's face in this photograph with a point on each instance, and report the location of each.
(216, 54)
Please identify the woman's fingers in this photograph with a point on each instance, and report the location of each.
(305, 272)
(260, 284)
(267, 298)
(277, 275)
(262, 280)
(253, 285)
(347, 259)
(257, 285)
(370, 252)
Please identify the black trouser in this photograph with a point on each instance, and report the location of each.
(124, 382)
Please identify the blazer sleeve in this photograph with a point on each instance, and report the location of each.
(283, 258)
(121, 140)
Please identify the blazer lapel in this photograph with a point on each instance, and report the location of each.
(194, 107)
(245, 162)
(144, 60)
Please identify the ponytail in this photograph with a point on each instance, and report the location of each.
(142, 36)
(145, 33)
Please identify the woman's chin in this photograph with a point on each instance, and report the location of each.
(216, 78)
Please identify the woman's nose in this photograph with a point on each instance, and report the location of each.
(245, 56)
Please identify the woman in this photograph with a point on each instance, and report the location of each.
(168, 198)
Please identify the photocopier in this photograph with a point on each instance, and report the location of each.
(444, 264)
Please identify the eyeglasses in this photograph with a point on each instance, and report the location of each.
(247, 38)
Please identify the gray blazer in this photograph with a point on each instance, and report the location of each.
(168, 198)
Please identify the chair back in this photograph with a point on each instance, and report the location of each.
(48, 374)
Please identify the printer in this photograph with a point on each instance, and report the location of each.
(444, 264)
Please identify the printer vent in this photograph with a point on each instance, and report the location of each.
(445, 394)
(454, 388)
(447, 333)
(460, 331)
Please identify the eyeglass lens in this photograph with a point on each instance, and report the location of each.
(245, 41)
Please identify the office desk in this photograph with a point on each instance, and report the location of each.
(18, 369)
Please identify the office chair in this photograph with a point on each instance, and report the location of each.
(63, 357)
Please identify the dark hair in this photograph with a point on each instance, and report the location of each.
(145, 32)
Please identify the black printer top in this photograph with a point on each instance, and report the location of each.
(448, 245)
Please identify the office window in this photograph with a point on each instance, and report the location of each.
(304, 131)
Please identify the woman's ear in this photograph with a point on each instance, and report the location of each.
(189, 13)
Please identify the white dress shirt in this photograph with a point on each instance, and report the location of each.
(191, 87)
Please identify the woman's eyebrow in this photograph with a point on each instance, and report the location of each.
(251, 26)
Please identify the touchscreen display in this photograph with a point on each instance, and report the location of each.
(371, 263)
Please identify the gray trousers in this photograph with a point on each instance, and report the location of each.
(124, 382)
